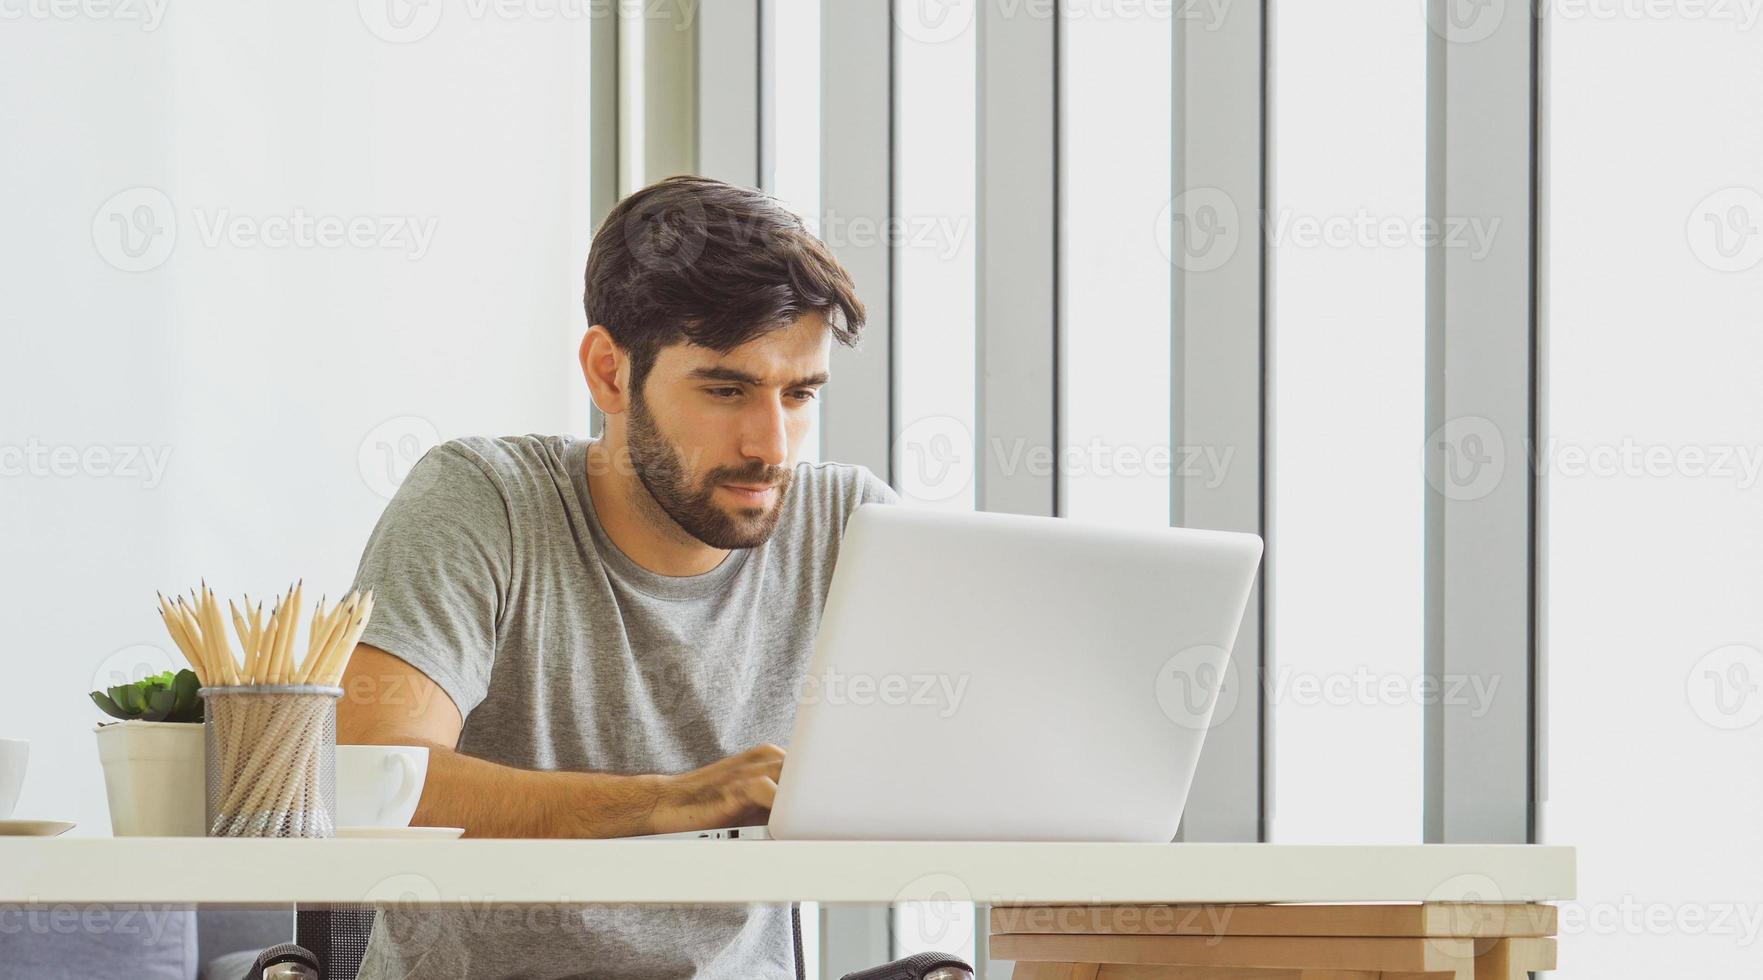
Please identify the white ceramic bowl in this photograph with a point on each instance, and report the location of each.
(14, 753)
(379, 785)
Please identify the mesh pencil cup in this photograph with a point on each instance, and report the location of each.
(272, 760)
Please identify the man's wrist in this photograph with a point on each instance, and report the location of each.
(652, 791)
(604, 805)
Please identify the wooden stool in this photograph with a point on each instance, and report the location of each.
(1430, 941)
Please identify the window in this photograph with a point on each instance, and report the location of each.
(1348, 393)
(934, 288)
(1115, 179)
(790, 118)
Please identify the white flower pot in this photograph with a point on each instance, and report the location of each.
(155, 777)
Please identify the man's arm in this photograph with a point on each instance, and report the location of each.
(386, 701)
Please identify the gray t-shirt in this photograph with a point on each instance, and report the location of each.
(492, 575)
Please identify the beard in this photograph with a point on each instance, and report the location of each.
(662, 469)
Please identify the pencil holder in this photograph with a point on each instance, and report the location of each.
(272, 760)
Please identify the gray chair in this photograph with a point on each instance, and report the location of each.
(229, 939)
(172, 943)
(336, 938)
(65, 941)
(144, 942)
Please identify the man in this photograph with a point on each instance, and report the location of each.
(603, 638)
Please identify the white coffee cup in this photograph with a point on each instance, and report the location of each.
(379, 785)
(14, 753)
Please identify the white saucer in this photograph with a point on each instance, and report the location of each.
(402, 833)
(34, 828)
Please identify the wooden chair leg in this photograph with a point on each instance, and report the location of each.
(1513, 959)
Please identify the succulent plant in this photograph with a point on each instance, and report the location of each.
(161, 697)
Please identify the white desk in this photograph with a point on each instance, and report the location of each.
(191, 870)
(1061, 911)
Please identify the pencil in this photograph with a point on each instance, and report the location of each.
(220, 648)
(335, 626)
(254, 650)
(193, 632)
(322, 622)
(337, 658)
(174, 626)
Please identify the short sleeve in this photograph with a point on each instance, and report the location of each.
(439, 563)
(874, 490)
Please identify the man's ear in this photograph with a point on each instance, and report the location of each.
(606, 367)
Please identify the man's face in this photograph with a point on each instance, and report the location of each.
(713, 436)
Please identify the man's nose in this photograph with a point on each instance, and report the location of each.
(765, 433)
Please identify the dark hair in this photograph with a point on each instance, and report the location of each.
(695, 260)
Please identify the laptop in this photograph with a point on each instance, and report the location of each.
(996, 677)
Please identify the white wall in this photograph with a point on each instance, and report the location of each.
(283, 386)
(1655, 577)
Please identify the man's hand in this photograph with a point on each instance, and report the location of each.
(734, 792)
(386, 701)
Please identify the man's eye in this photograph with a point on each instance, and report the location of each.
(803, 394)
(724, 392)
